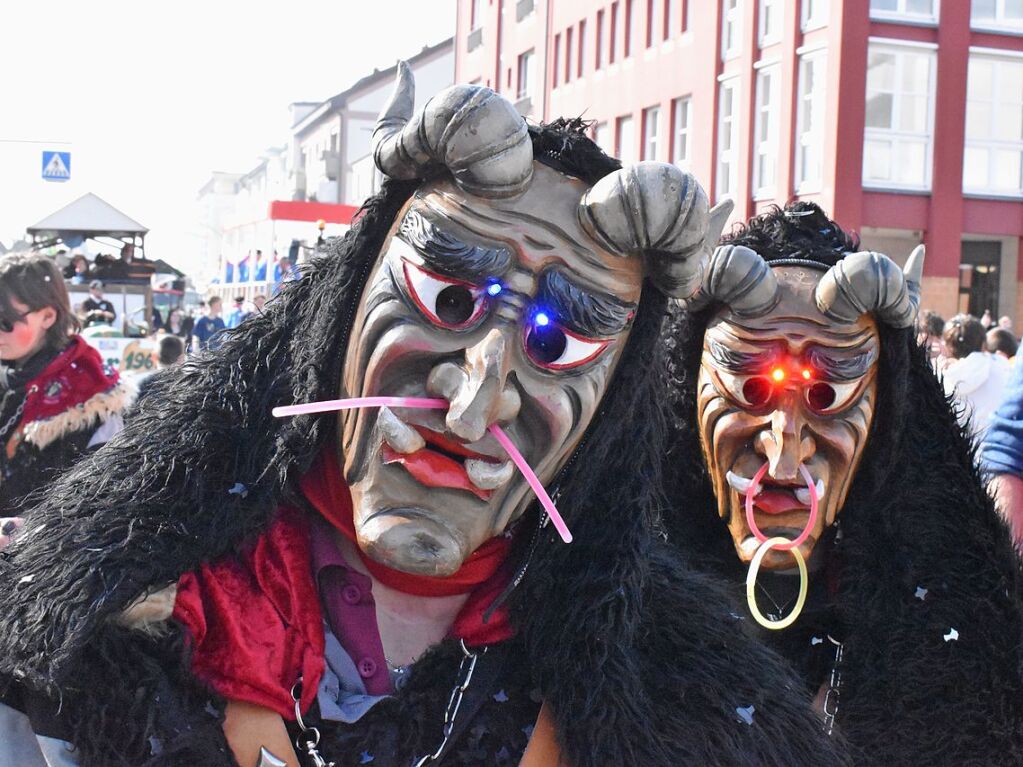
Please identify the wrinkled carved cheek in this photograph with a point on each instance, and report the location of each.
(845, 440)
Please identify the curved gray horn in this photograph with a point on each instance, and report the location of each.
(871, 282)
(739, 278)
(470, 130)
(661, 213)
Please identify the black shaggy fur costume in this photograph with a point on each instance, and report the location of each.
(916, 517)
(641, 660)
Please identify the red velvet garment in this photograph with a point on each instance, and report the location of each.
(74, 376)
(255, 618)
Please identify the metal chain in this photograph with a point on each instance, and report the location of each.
(465, 670)
(309, 737)
(14, 419)
(834, 684)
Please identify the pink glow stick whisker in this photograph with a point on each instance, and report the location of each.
(353, 403)
(430, 403)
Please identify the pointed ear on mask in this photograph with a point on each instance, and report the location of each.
(718, 217)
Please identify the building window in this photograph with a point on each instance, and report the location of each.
(525, 75)
(625, 140)
(568, 55)
(557, 58)
(613, 53)
(728, 139)
(899, 117)
(581, 52)
(997, 14)
(681, 120)
(810, 121)
(905, 10)
(731, 28)
(814, 14)
(651, 133)
(770, 22)
(765, 131)
(651, 14)
(671, 9)
(993, 158)
(631, 27)
(523, 8)
(598, 60)
(475, 14)
(602, 136)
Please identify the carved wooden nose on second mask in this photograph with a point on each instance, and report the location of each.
(785, 444)
(479, 392)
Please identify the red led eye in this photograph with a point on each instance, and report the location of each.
(820, 396)
(807, 374)
(757, 391)
(777, 375)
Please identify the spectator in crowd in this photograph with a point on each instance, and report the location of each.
(97, 309)
(1002, 342)
(1001, 454)
(975, 378)
(57, 399)
(1005, 321)
(285, 272)
(987, 320)
(176, 324)
(234, 319)
(78, 271)
(930, 326)
(207, 326)
(171, 352)
(259, 301)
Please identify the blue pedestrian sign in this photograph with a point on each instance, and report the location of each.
(56, 166)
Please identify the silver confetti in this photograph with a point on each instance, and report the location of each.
(921, 593)
(952, 635)
(745, 714)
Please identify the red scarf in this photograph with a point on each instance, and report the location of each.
(74, 376)
(255, 618)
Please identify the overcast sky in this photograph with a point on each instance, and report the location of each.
(153, 96)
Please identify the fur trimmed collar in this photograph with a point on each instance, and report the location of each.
(76, 391)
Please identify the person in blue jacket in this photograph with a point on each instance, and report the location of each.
(1001, 454)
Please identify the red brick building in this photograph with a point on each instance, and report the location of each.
(902, 118)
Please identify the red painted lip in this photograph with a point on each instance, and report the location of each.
(777, 501)
(434, 469)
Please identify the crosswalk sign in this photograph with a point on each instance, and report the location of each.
(56, 166)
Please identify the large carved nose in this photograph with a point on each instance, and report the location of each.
(785, 443)
(479, 391)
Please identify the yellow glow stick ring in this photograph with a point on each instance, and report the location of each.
(751, 582)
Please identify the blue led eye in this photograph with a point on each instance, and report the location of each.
(494, 289)
(541, 319)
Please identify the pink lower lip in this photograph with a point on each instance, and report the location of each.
(778, 502)
(432, 469)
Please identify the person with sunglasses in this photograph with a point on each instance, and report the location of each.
(57, 398)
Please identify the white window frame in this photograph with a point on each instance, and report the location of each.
(524, 90)
(803, 138)
(764, 36)
(894, 135)
(603, 136)
(766, 123)
(902, 16)
(728, 159)
(998, 23)
(628, 156)
(682, 131)
(1001, 57)
(731, 19)
(817, 20)
(651, 138)
(475, 14)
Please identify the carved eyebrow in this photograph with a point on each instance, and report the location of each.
(448, 255)
(593, 315)
(840, 368)
(740, 362)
